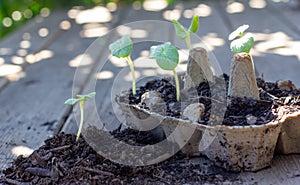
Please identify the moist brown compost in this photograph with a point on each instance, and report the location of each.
(62, 160)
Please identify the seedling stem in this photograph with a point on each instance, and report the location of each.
(188, 42)
(81, 105)
(128, 58)
(122, 48)
(81, 99)
(177, 85)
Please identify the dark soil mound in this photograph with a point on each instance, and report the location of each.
(63, 161)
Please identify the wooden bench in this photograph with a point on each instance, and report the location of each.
(43, 55)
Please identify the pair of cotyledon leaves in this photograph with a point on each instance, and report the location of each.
(182, 33)
(243, 43)
(165, 54)
(80, 98)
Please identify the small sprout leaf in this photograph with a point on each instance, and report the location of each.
(166, 56)
(86, 96)
(194, 24)
(180, 31)
(121, 47)
(243, 44)
(238, 32)
(81, 99)
(91, 95)
(72, 101)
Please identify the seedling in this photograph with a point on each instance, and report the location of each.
(122, 48)
(244, 43)
(182, 33)
(242, 78)
(167, 58)
(81, 99)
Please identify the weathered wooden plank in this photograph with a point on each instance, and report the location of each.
(290, 17)
(17, 48)
(284, 170)
(274, 52)
(35, 31)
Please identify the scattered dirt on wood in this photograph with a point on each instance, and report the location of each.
(63, 161)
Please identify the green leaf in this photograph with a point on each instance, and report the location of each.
(122, 47)
(243, 44)
(166, 56)
(238, 32)
(194, 24)
(86, 96)
(81, 97)
(180, 30)
(72, 101)
(91, 95)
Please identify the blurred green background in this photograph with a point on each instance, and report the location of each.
(14, 13)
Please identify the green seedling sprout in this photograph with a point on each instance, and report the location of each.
(242, 82)
(122, 48)
(81, 99)
(182, 33)
(243, 43)
(167, 58)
